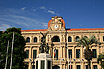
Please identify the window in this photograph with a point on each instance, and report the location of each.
(78, 67)
(86, 67)
(103, 38)
(49, 64)
(33, 66)
(69, 39)
(55, 39)
(35, 39)
(70, 53)
(27, 39)
(34, 53)
(27, 53)
(36, 64)
(86, 36)
(56, 54)
(77, 38)
(77, 53)
(42, 64)
(70, 67)
(94, 53)
(95, 66)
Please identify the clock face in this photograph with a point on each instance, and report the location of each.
(56, 26)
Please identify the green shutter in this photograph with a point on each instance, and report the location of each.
(57, 54)
(94, 53)
(77, 53)
(36, 64)
(71, 67)
(33, 66)
(27, 53)
(34, 53)
(86, 66)
(42, 64)
(78, 67)
(95, 66)
(70, 52)
(49, 64)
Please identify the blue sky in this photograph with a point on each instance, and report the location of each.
(35, 14)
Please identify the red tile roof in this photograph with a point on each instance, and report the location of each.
(66, 29)
(33, 30)
(85, 29)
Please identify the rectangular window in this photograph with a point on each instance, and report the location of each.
(42, 64)
(77, 53)
(49, 64)
(70, 53)
(94, 53)
(78, 67)
(95, 66)
(36, 64)
(34, 53)
(33, 66)
(27, 53)
(86, 67)
(70, 67)
(56, 55)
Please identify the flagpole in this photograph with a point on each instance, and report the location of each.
(7, 55)
(60, 49)
(67, 51)
(12, 51)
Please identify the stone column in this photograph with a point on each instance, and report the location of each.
(81, 52)
(82, 65)
(98, 50)
(73, 54)
(91, 65)
(74, 65)
(73, 38)
(30, 66)
(30, 52)
(64, 52)
(32, 39)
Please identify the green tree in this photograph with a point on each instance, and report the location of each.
(100, 60)
(18, 51)
(87, 42)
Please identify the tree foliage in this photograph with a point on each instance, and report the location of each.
(87, 42)
(18, 51)
(100, 60)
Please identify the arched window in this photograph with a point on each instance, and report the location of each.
(27, 39)
(77, 38)
(103, 38)
(69, 39)
(86, 36)
(55, 39)
(35, 39)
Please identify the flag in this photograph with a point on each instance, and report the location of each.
(54, 52)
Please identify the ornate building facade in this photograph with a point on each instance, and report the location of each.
(63, 46)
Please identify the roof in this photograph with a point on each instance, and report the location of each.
(33, 30)
(66, 29)
(85, 29)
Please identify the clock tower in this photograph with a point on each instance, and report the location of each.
(56, 23)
